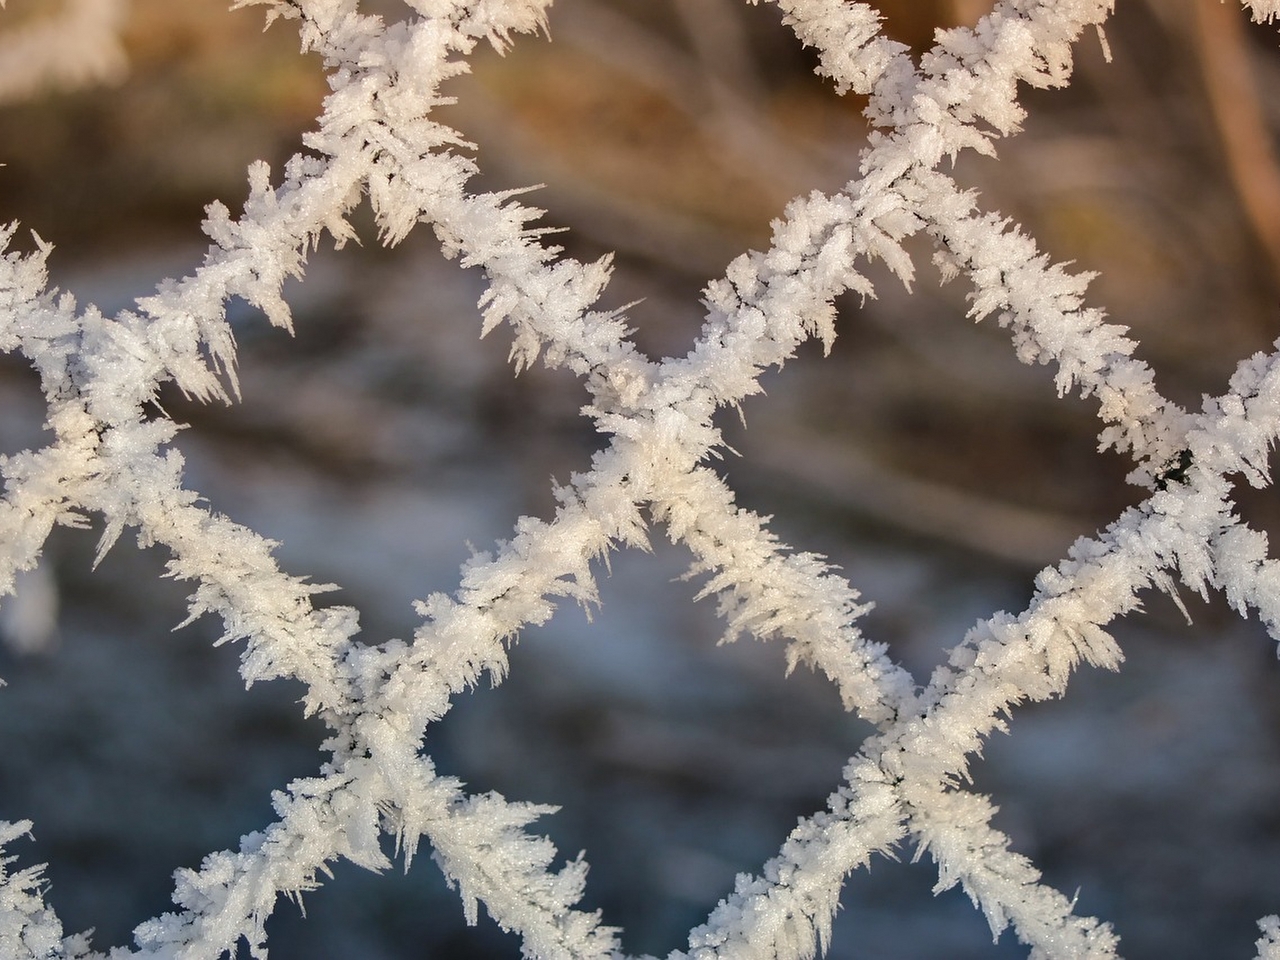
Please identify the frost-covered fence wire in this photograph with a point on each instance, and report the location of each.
(112, 457)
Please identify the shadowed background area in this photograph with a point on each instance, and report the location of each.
(385, 438)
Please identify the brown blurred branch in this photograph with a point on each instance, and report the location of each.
(1222, 50)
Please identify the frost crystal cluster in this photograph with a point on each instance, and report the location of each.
(376, 138)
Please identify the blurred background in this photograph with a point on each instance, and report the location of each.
(384, 439)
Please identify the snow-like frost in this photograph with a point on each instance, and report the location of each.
(375, 138)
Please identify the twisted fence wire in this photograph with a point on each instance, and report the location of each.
(112, 458)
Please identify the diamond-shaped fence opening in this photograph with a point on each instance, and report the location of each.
(906, 792)
(676, 764)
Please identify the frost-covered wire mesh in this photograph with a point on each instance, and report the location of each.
(112, 460)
